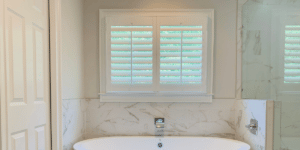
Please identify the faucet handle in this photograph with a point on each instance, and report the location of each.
(253, 126)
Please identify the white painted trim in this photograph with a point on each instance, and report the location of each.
(55, 67)
(156, 10)
(4, 141)
(153, 13)
(156, 97)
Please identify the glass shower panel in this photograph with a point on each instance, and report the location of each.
(271, 63)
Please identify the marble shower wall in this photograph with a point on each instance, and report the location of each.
(251, 109)
(74, 122)
(290, 125)
(256, 58)
(181, 119)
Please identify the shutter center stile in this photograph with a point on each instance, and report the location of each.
(131, 47)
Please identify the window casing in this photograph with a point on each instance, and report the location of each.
(156, 56)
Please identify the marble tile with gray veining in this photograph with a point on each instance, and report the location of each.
(252, 42)
(73, 122)
(246, 110)
(281, 2)
(290, 120)
(290, 143)
(181, 119)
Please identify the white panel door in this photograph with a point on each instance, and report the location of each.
(26, 75)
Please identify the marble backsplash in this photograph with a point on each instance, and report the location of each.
(181, 119)
(225, 118)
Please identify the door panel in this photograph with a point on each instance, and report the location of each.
(27, 74)
(16, 56)
(19, 140)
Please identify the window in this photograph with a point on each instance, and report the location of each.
(156, 56)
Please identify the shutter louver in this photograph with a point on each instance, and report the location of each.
(131, 55)
(292, 54)
(181, 55)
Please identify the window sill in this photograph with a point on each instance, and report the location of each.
(156, 97)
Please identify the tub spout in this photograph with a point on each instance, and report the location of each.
(159, 122)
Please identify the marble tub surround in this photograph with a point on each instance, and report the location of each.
(254, 109)
(74, 113)
(225, 118)
(181, 119)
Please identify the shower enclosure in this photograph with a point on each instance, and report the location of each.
(270, 54)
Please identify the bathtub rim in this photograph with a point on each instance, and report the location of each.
(158, 137)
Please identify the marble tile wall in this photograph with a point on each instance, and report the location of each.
(255, 84)
(181, 119)
(256, 54)
(226, 118)
(246, 110)
(290, 125)
(290, 120)
(281, 2)
(290, 143)
(74, 121)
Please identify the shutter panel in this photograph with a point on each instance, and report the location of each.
(181, 55)
(292, 54)
(130, 54)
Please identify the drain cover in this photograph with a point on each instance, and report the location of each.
(160, 145)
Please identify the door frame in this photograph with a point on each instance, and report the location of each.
(56, 74)
(3, 142)
(55, 79)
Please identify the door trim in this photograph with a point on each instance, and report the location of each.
(55, 72)
(3, 142)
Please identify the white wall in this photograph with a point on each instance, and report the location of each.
(72, 49)
(72, 72)
(225, 38)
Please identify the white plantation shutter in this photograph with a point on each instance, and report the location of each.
(182, 54)
(181, 63)
(130, 54)
(156, 56)
(292, 54)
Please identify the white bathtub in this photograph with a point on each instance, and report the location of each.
(161, 143)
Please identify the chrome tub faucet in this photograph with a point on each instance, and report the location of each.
(159, 122)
